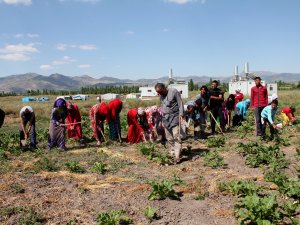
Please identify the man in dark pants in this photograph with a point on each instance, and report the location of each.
(216, 99)
(259, 99)
(27, 116)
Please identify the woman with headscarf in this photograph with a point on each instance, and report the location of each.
(74, 122)
(227, 107)
(239, 96)
(57, 128)
(98, 114)
(154, 114)
(138, 126)
(113, 118)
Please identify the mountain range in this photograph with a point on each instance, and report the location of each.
(33, 81)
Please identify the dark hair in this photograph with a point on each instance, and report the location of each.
(215, 81)
(204, 87)
(293, 108)
(257, 78)
(190, 107)
(230, 104)
(275, 101)
(198, 102)
(160, 85)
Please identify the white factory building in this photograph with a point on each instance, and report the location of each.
(246, 82)
(180, 85)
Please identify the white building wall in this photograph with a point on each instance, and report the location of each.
(133, 96)
(272, 88)
(182, 88)
(148, 91)
(244, 85)
(109, 96)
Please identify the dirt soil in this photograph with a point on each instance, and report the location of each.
(60, 197)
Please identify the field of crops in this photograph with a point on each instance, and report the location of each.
(231, 179)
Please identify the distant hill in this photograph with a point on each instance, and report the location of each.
(33, 81)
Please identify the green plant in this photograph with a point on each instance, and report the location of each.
(75, 167)
(213, 159)
(258, 210)
(147, 149)
(240, 187)
(162, 190)
(215, 142)
(17, 188)
(43, 164)
(99, 167)
(113, 217)
(31, 217)
(246, 126)
(201, 196)
(150, 213)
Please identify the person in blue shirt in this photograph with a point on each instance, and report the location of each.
(240, 113)
(267, 117)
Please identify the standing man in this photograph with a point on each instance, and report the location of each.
(259, 99)
(172, 117)
(27, 116)
(216, 100)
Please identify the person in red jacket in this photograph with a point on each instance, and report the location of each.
(259, 99)
(138, 126)
(74, 119)
(98, 114)
(113, 118)
(238, 96)
(288, 115)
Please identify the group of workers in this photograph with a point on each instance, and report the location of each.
(168, 122)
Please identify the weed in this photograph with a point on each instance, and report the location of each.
(213, 159)
(164, 189)
(113, 217)
(17, 188)
(43, 164)
(71, 222)
(201, 196)
(31, 217)
(150, 213)
(82, 190)
(247, 126)
(99, 167)
(215, 142)
(147, 149)
(75, 167)
(240, 187)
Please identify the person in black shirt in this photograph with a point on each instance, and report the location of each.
(216, 100)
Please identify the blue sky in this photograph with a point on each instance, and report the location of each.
(145, 38)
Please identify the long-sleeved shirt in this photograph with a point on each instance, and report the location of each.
(172, 107)
(259, 96)
(269, 113)
(242, 107)
(215, 103)
(288, 112)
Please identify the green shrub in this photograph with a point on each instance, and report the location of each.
(75, 167)
(213, 159)
(99, 167)
(113, 217)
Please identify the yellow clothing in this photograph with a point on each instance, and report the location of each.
(285, 119)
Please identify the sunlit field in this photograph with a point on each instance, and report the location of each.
(232, 179)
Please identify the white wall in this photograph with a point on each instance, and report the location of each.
(148, 91)
(272, 88)
(183, 88)
(245, 86)
(109, 96)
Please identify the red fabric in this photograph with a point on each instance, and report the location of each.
(238, 97)
(288, 112)
(113, 106)
(259, 96)
(98, 114)
(134, 128)
(73, 117)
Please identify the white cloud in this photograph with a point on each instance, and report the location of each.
(182, 2)
(33, 35)
(129, 32)
(14, 2)
(46, 67)
(84, 66)
(87, 47)
(19, 52)
(61, 47)
(19, 35)
(63, 61)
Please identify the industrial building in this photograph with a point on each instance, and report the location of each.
(246, 82)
